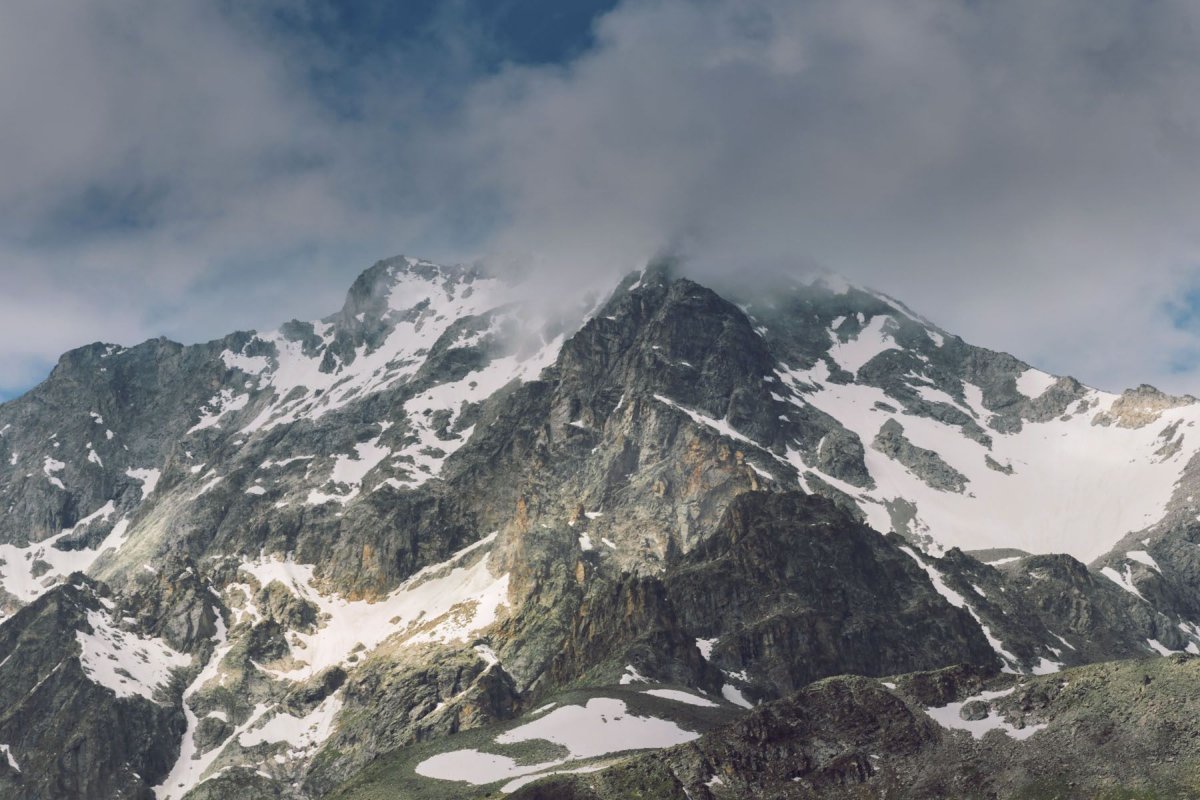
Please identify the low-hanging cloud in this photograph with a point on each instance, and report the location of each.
(1021, 172)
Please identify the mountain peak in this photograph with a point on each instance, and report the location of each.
(427, 512)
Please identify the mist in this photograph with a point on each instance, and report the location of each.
(1021, 172)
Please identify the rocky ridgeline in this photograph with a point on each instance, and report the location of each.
(309, 550)
(1108, 730)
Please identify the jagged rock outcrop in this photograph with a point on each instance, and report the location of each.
(793, 590)
(84, 709)
(925, 464)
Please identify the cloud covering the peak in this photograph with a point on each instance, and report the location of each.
(1020, 172)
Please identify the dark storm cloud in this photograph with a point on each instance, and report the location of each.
(1022, 172)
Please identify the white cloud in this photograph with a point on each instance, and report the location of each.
(1022, 172)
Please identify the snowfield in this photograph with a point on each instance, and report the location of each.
(600, 727)
(1076, 487)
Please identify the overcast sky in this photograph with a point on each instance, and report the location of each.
(1026, 174)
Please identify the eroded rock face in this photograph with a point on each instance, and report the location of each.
(1139, 407)
(794, 590)
(926, 464)
(73, 728)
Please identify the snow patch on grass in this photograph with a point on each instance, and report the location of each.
(948, 717)
(735, 696)
(602, 726)
(680, 697)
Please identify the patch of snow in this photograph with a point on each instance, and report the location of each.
(116, 539)
(223, 403)
(476, 768)
(680, 697)
(443, 603)
(735, 696)
(350, 470)
(705, 646)
(303, 734)
(1159, 647)
(632, 676)
(720, 426)
(104, 512)
(208, 486)
(762, 473)
(12, 762)
(191, 765)
(147, 477)
(1142, 557)
(17, 571)
(487, 654)
(1046, 667)
(600, 727)
(432, 447)
(421, 310)
(948, 717)
(51, 466)
(125, 662)
(1118, 480)
(513, 785)
(1125, 581)
(1064, 641)
(251, 365)
(1033, 383)
(870, 342)
(269, 464)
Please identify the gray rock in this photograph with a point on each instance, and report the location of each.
(925, 464)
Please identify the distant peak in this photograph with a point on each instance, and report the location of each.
(370, 292)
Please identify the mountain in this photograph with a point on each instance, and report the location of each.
(445, 543)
